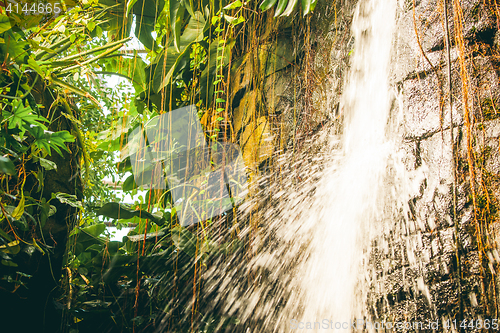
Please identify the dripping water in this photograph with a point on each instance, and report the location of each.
(311, 261)
(347, 200)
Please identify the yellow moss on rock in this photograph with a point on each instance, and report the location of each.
(257, 142)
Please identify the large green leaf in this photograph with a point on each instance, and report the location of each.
(129, 184)
(188, 4)
(143, 30)
(130, 4)
(194, 30)
(132, 67)
(281, 7)
(115, 210)
(118, 24)
(22, 114)
(19, 211)
(161, 71)
(47, 140)
(306, 6)
(286, 7)
(87, 237)
(147, 12)
(94, 230)
(15, 46)
(169, 62)
(176, 19)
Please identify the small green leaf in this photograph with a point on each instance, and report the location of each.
(306, 6)
(313, 4)
(281, 7)
(95, 229)
(98, 32)
(6, 166)
(9, 263)
(267, 4)
(47, 165)
(291, 6)
(11, 248)
(129, 183)
(5, 235)
(68, 199)
(19, 211)
(233, 5)
(4, 23)
(234, 20)
(34, 64)
(91, 25)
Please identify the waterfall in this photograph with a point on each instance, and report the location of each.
(347, 199)
(309, 264)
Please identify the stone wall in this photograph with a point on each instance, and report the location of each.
(416, 273)
(422, 279)
(425, 265)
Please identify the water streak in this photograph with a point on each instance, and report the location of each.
(347, 199)
(309, 264)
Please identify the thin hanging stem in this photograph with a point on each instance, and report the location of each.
(454, 163)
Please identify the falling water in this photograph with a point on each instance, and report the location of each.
(347, 199)
(309, 264)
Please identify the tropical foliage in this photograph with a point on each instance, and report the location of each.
(72, 90)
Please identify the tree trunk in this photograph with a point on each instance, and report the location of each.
(35, 309)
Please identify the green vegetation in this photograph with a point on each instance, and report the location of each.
(63, 125)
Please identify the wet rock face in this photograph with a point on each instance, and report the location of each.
(426, 264)
(439, 272)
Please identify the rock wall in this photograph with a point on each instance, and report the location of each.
(426, 264)
(432, 257)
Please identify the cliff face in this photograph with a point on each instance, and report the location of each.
(433, 252)
(434, 257)
(442, 264)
